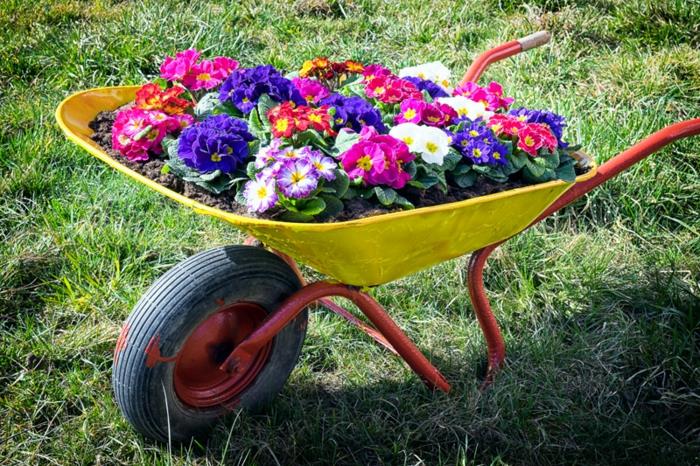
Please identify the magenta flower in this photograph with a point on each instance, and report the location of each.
(297, 179)
(491, 95)
(310, 89)
(175, 69)
(411, 111)
(363, 160)
(378, 159)
(137, 132)
(206, 74)
(375, 71)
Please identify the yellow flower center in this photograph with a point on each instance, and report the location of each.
(339, 121)
(421, 75)
(409, 114)
(262, 192)
(297, 177)
(245, 100)
(365, 163)
(203, 77)
(464, 142)
(522, 118)
(282, 124)
(215, 157)
(431, 146)
(497, 156)
(445, 83)
(473, 132)
(408, 140)
(529, 141)
(379, 90)
(315, 118)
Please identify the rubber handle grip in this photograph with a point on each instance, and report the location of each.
(534, 40)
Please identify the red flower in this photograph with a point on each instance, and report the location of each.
(287, 119)
(152, 97)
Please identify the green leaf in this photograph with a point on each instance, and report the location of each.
(461, 169)
(403, 202)
(207, 105)
(240, 197)
(551, 161)
(311, 137)
(344, 141)
(451, 160)
(566, 172)
(426, 96)
(536, 167)
(313, 206)
(386, 196)
(165, 169)
(251, 170)
(339, 185)
(298, 217)
(265, 103)
(465, 180)
(334, 206)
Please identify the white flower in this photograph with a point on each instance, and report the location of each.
(434, 144)
(434, 71)
(410, 133)
(466, 107)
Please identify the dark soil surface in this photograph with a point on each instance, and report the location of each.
(354, 208)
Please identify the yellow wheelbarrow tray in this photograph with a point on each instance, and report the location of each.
(362, 252)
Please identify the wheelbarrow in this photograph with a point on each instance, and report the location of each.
(223, 329)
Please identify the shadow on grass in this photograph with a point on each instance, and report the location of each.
(592, 387)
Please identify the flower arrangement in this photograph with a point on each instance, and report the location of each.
(299, 146)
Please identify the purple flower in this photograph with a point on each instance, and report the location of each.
(268, 153)
(244, 87)
(260, 194)
(479, 144)
(218, 143)
(354, 112)
(325, 166)
(433, 89)
(555, 122)
(297, 179)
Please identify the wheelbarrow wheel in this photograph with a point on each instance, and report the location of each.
(166, 375)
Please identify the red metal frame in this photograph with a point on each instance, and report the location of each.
(293, 305)
(385, 331)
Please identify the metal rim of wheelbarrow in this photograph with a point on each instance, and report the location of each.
(197, 378)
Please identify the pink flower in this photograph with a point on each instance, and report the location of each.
(411, 111)
(378, 159)
(206, 74)
(534, 136)
(375, 71)
(175, 69)
(391, 89)
(505, 124)
(137, 132)
(224, 66)
(431, 114)
(310, 89)
(491, 95)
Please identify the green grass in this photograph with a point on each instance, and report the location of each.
(600, 306)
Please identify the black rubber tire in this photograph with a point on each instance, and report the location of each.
(172, 308)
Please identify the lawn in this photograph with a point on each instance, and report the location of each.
(600, 305)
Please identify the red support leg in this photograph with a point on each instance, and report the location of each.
(487, 321)
(293, 305)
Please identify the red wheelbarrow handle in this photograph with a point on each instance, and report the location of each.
(504, 51)
(619, 163)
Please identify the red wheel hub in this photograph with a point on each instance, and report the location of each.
(198, 380)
